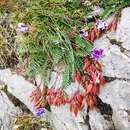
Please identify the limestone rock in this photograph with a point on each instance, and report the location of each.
(115, 63)
(98, 122)
(123, 30)
(7, 112)
(116, 60)
(18, 86)
(62, 118)
(117, 94)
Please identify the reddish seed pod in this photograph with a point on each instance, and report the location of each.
(89, 88)
(79, 98)
(56, 97)
(89, 36)
(76, 103)
(93, 35)
(91, 101)
(77, 76)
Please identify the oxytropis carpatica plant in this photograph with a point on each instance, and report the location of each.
(54, 32)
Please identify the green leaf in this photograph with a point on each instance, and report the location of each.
(46, 71)
(46, 77)
(71, 61)
(66, 77)
(83, 44)
(79, 63)
(57, 55)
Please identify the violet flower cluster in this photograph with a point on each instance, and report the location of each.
(40, 111)
(97, 53)
(102, 25)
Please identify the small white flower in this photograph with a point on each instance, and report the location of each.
(56, 42)
(16, 127)
(22, 27)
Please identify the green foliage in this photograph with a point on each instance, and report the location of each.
(85, 47)
(52, 43)
(66, 76)
(111, 6)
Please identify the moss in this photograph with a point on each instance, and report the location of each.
(29, 122)
(8, 56)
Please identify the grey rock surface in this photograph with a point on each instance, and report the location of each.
(123, 30)
(18, 86)
(7, 112)
(117, 94)
(115, 62)
(117, 65)
(98, 122)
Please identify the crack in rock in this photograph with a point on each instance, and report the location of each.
(86, 120)
(16, 101)
(119, 44)
(106, 110)
(110, 79)
(117, 94)
(7, 112)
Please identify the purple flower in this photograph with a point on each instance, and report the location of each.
(97, 53)
(40, 111)
(83, 33)
(22, 27)
(101, 25)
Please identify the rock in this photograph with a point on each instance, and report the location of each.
(43, 129)
(123, 30)
(62, 119)
(18, 86)
(97, 11)
(7, 112)
(116, 60)
(98, 122)
(115, 63)
(117, 94)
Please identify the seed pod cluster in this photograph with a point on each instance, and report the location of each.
(76, 103)
(56, 97)
(91, 80)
